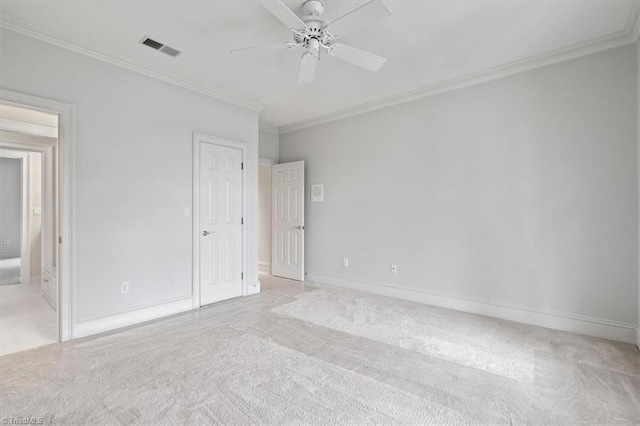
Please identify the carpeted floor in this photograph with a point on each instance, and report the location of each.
(297, 354)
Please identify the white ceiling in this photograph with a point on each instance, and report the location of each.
(426, 43)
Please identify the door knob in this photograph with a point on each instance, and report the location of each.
(300, 227)
(205, 233)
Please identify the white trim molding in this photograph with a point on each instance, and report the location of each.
(268, 129)
(629, 35)
(264, 267)
(266, 161)
(30, 128)
(21, 26)
(633, 25)
(91, 326)
(589, 326)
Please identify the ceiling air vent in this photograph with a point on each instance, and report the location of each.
(159, 46)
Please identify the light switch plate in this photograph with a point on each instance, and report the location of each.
(37, 211)
(186, 210)
(317, 193)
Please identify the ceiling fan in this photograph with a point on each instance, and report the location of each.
(312, 33)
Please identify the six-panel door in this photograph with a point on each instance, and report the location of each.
(220, 223)
(288, 220)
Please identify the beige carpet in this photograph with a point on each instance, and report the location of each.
(300, 355)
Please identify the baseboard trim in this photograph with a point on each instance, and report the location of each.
(596, 327)
(264, 267)
(36, 279)
(104, 323)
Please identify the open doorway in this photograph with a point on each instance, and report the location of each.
(264, 216)
(28, 228)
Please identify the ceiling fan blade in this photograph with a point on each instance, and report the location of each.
(283, 13)
(307, 68)
(365, 14)
(266, 48)
(357, 57)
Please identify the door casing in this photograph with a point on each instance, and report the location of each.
(65, 270)
(198, 140)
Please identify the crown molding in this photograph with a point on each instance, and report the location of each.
(621, 38)
(633, 26)
(268, 129)
(29, 29)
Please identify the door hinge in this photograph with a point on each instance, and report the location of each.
(242, 221)
(242, 275)
(241, 166)
(59, 240)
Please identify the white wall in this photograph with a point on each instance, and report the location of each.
(269, 145)
(133, 171)
(264, 218)
(519, 192)
(11, 206)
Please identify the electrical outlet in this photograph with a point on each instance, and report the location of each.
(345, 262)
(394, 269)
(124, 287)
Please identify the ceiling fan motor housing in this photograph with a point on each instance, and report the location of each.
(313, 8)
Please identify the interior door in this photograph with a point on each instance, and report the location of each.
(287, 256)
(220, 219)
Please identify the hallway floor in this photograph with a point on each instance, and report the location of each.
(300, 354)
(26, 318)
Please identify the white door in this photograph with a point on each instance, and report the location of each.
(220, 223)
(287, 256)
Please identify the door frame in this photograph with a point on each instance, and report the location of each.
(25, 213)
(198, 140)
(66, 256)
